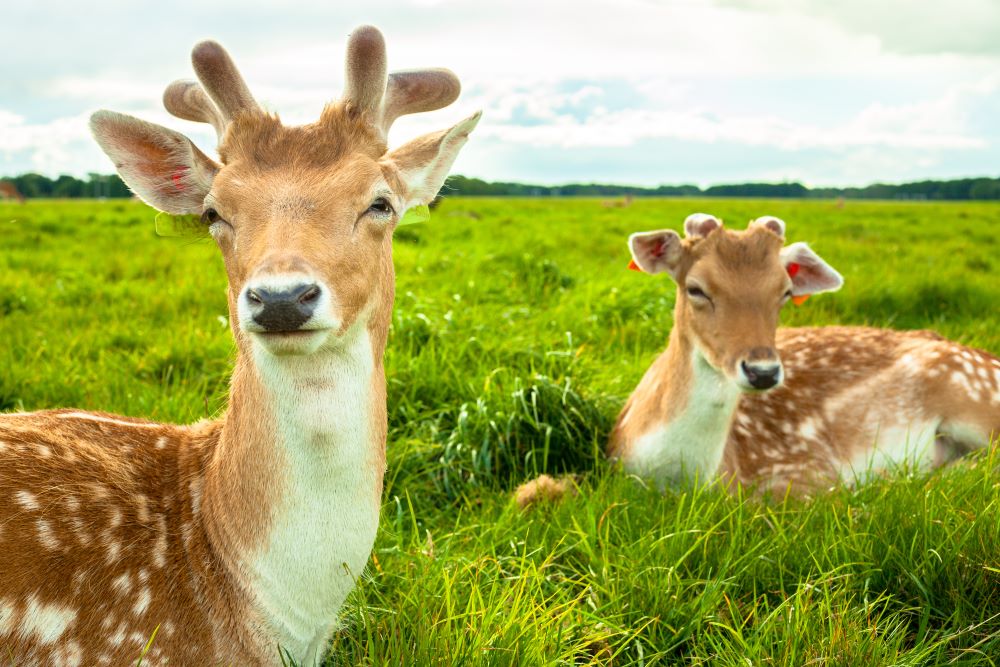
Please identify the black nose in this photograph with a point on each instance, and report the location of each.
(284, 310)
(761, 377)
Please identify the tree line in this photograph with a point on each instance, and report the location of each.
(966, 188)
(101, 185)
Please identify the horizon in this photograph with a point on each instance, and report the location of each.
(699, 92)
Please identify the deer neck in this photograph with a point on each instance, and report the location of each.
(692, 405)
(292, 493)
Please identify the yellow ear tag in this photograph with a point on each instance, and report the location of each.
(799, 300)
(179, 225)
(414, 215)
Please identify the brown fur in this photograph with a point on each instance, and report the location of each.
(543, 489)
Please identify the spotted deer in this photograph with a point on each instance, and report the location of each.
(734, 396)
(238, 537)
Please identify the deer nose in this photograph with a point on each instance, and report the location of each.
(761, 375)
(283, 310)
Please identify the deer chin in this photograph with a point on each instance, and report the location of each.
(291, 343)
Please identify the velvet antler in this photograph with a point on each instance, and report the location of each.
(222, 93)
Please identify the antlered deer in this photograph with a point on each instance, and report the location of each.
(736, 397)
(241, 535)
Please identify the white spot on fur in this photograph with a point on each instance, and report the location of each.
(160, 546)
(161, 442)
(808, 430)
(119, 637)
(45, 623)
(6, 617)
(27, 500)
(114, 548)
(44, 451)
(71, 655)
(46, 536)
(141, 508)
(142, 604)
(122, 583)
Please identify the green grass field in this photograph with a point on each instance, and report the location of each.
(517, 335)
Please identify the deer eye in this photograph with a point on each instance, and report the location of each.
(696, 293)
(381, 207)
(210, 216)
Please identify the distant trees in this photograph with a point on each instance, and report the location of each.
(101, 185)
(97, 185)
(962, 189)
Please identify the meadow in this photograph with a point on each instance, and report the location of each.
(517, 335)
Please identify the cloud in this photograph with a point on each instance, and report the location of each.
(904, 26)
(809, 85)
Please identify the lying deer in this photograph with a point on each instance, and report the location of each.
(735, 397)
(235, 537)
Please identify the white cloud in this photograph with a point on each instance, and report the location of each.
(824, 84)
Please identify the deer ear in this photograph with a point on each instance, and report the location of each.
(423, 163)
(657, 252)
(809, 273)
(700, 224)
(163, 167)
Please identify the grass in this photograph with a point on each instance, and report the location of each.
(517, 334)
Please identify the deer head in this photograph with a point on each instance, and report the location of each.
(303, 215)
(731, 288)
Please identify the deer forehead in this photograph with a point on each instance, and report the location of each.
(262, 140)
(748, 261)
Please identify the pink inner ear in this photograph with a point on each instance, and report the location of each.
(793, 269)
(658, 250)
(176, 177)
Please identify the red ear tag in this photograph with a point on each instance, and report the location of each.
(793, 269)
(176, 177)
(632, 266)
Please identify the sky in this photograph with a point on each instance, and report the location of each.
(824, 92)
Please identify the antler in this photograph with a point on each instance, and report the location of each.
(387, 98)
(187, 100)
(223, 94)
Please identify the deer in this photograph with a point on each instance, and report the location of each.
(234, 540)
(735, 399)
(9, 191)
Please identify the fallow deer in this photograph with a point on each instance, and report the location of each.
(237, 537)
(734, 396)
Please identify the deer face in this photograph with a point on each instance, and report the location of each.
(303, 215)
(731, 288)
